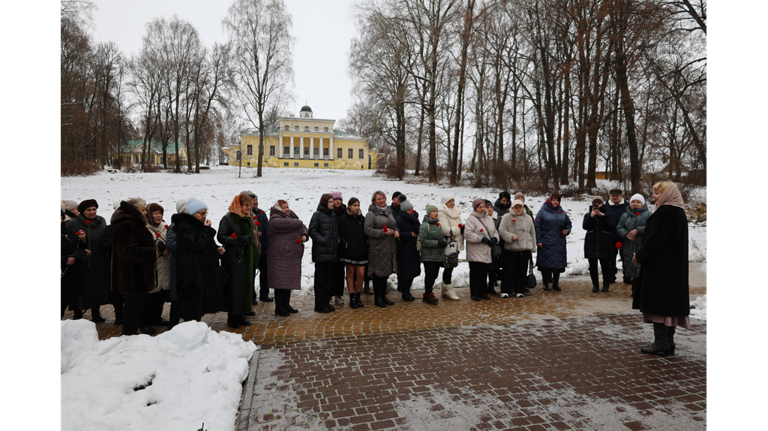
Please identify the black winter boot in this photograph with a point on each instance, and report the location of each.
(280, 301)
(358, 300)
(545, 279)
(353, 301)
(287, 302)
(660, 343)
(377, 301)
(671, 339)
(96, 317)
(556, 280)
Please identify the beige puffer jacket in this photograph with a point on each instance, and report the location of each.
(479, 251)
(522, 226)
(450, 219)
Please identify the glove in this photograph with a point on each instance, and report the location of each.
(81, 255)
(441, 243)
(494, 241)
(461, 229)
(246, 239)
(161, 247)
(486, 241)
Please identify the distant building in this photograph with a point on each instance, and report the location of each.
(304, 142)
(154, 152)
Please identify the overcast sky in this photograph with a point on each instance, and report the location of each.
(323, 30)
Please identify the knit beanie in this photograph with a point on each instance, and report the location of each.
(395, 194)
(249, 193)
(336, 195)
(477, 202)
(69, 204)
(181, 205)
(194, 205)
(597, 198)
(637, 197)
(430, 208)
(88, 203)
(406, 206)
(487, 202)
(402, 198)
(445, 199)
(519, 196)
(116, 205)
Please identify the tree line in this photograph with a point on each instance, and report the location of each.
(538, 91)
(174, 91)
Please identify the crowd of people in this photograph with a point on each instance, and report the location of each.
(137, 262)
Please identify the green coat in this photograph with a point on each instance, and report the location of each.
(240, 262)
(429, 234)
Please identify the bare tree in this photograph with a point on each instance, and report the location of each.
(262, 59)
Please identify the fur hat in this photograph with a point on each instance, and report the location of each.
(194, 205)
(430, 208)
(477, 202)
(406, 206)
(181, 205)
(336, 195)
(84, 205)
(637, 197)
(445, 199)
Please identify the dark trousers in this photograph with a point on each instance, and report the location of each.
(133, 307)
(493, 275)
(605, 264)
(339, 277)
(447, 272)
(431, 269)
(323, 280)
(116, 299)
(263, 284)
(153, 308)
(477, 273)
(405, 284)
(514, 274)
(379, 285)
(612, 265)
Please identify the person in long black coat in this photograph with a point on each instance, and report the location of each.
(115, 298)
(72, 256)
(93, 273)
(662, 286)
(337, 289)
(353, 250)
(324, 231)
(408, 262)
(198, 280)
(599, 244)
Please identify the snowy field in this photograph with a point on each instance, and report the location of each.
(302, 189)
(192, 375)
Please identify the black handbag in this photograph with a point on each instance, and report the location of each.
(451, 253)
(531, 282)
(495, 248)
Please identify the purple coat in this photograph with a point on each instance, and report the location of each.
(283, 253)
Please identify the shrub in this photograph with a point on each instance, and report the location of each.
(79, 168)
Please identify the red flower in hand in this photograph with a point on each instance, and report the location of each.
(157, 234)
(166, 226)
(257, 223)
(261, 211)
(618, 245)
(79, 232)
(637, 213)
(461, 225)
(87, 222)
(437, 224)
(298, 241)
(385, 228)
(234, 235)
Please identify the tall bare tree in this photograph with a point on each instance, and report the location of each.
(262, 59)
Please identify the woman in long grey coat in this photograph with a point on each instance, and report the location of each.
(287, 235)
(631, 228)
(381, 230)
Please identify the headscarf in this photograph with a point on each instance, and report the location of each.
(671, 196)
(150, 209)
(235, 206)
(553, 195)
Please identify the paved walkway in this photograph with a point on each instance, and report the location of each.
(551, 360)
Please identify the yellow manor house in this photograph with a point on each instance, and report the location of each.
(304, 142)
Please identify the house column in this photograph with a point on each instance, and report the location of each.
(330, 153)
(290, 156)
(311, 147)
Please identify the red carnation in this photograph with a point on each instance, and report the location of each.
(437, 224)
(157, 234)
(637, 213)
(79, 232)
(559, 212)
(618, 245)
(513, 220)
(87, 222)
(166, 226)
(257, 223)
(234, 235)
(298, 241)
(481, 230)
(385, 228)
(261, 211)
(461, 225)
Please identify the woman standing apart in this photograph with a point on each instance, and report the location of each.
(133, 262)
(432, 251)
(381, 230)
(324, 231)
(481, 235)
(198, 283)
(552, 226)
(453, 230)
(408, 266)
(286, 237)
(92, 273)
(662, 294)
(519, 236)
(353, 250)
(236, 236)
(631, 229)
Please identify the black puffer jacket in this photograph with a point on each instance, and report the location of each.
(324, 232)
(353, 244)
(408, 261)
(599, 243)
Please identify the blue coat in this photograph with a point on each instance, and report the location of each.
(550, 222)
(408, 266)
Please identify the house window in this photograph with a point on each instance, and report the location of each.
(317, 165)
(325, 165)
(296, 150)
(325, 152)
(317, 129)
(249, 163)
(339, 153)
(306, 128)
(350, 153)
(249, 150)
(362, 153)
(306, 151)
(239, 155)
(296, 164)
(271, 150)
(136, 158)
(306, 115)
(316, 151)
(287, 151)
(325, 129)
(296, 128)
(287, 128)
(285, 163)
(362, 167)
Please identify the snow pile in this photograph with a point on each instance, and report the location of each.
(177, 380)
(699, 309)
(580, 267)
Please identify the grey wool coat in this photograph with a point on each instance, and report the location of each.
(381, 248)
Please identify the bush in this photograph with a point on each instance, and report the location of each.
(79, 168)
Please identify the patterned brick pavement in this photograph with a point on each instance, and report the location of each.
(551, 360)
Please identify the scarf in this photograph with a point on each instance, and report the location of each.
(671, 196)
(235, 206)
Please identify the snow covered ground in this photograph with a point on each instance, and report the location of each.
(177, 380)
(302, 189)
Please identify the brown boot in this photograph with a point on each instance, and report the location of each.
(367, 288)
